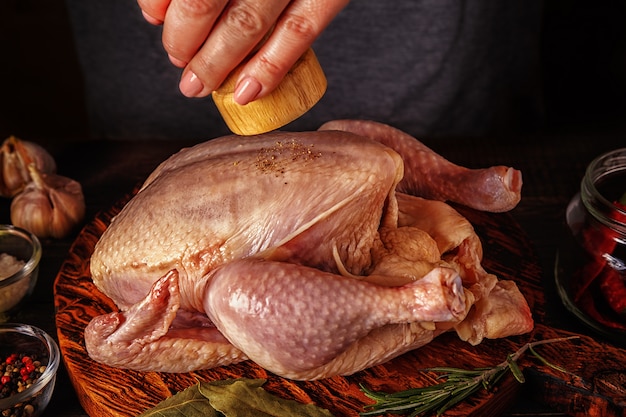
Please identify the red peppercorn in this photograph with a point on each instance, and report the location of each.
(21, 370)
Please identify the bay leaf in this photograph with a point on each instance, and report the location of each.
(187, 403)
(244, 397)
(238, 397)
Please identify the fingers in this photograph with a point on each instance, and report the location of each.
(301, 23)
(154, 10)
(187, 25)
(210, 38)
(240, 28)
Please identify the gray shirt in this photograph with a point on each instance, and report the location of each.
(433, 68)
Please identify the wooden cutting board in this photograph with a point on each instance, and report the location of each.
(599, 387)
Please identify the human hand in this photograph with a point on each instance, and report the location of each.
(209, 38)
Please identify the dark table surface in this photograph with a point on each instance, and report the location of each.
(552, 167)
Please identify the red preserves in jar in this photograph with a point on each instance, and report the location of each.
(591, 263)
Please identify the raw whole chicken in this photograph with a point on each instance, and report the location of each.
(312, 254)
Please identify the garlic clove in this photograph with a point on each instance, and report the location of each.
(49, 206)
(15, 157)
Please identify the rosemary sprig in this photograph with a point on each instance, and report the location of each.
(458, 385)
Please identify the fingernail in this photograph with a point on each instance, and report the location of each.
(179, 63)
(151, 19)
(190, 85)
(246, 91)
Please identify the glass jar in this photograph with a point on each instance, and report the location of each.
(590, 269)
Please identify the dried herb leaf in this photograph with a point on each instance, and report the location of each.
(245, 397)
(187, 403)
(229, 398)
(515, 370)
(459, 384)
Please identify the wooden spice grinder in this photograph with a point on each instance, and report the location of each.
(303, 86)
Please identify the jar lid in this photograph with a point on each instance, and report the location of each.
(303, 86)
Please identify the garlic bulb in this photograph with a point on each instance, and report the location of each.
(49, 206)
(15, 157)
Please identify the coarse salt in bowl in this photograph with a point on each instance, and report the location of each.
(31, 357)
(20, 252)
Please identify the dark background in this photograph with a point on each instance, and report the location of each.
(584, 83)
(40, 82)
(583, 51)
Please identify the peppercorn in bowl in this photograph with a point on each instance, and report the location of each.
(29, 359)
(20, 252)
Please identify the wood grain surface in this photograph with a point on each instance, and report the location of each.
(597, 384)
(303, 86)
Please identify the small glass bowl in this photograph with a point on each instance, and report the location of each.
(30, 340)
(17, 283)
